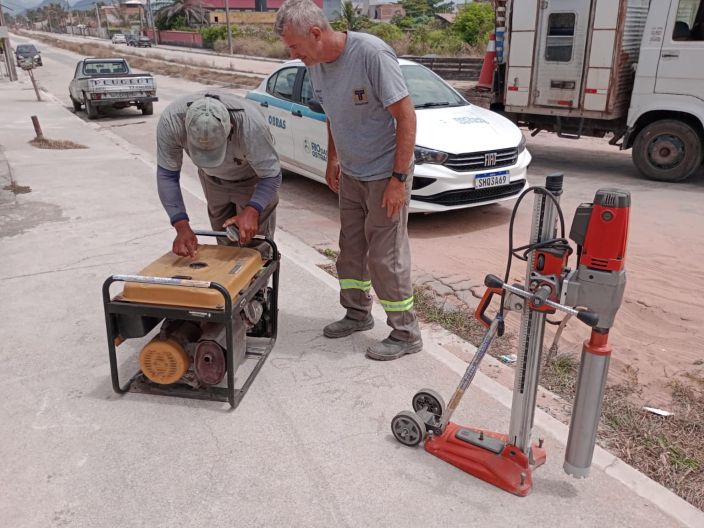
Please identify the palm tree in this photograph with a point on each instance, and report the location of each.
(351, 16)
(191, 10)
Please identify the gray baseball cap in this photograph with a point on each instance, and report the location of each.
(207, 129)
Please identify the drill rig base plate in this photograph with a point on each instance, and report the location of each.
(491, 459)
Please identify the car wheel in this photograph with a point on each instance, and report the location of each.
(76, 104)
(91, 110)
(668, 150)
(148, 108)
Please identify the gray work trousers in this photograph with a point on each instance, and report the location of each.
(374, 251)
(228, 198)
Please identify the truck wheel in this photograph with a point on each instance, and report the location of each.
(91, 110)
(148, 108)
(76, 104)
(667, 150)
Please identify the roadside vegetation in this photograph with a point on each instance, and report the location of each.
(414, 30)
(668, 449)
(156, 64)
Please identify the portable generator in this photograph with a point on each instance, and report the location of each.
(218, 313)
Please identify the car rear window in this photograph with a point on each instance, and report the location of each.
(93, 68)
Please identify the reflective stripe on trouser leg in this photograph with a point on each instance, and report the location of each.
(397, 306)
(352, 261)
(390, 261)
(352, 284)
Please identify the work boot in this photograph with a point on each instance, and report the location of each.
(391, 348)
(347, 326)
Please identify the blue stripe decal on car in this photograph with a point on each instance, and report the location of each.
(286, 105)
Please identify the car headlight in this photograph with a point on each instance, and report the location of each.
(37, 57)
(522, 144)
(425, 155)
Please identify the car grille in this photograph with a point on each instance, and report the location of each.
(490, 159)
(472, 196)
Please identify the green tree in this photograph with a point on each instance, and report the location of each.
(191, 11)
(350, 18)
(214, 33)
(386, 32)
(425, 8)
(474, 22)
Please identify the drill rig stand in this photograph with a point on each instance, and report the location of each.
(508, 460)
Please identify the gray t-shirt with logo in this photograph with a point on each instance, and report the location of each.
(355, 91)
(250, 151)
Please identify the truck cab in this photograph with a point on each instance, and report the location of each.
(630, 68)
(666, 114)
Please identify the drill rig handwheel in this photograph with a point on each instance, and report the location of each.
(430, 400)
(408, 428)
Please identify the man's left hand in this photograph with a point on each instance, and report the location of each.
(394, 197)
(247, 222)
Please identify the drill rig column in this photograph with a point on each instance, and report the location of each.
(601, 232)
(530, 341)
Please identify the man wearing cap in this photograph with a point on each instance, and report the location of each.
(228, 139)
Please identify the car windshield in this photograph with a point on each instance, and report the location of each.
(92, 68)
(427, 90)
(27, 48)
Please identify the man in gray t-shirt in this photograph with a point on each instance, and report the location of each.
(228, 139)
(371, 138)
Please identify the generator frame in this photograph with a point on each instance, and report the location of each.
(150, 315)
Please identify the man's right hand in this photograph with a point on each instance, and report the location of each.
(186, 242)
(332, 176)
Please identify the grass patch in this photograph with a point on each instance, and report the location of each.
(55, 144)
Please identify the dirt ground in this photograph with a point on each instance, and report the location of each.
(659, 330)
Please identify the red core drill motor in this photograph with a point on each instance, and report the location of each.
(600, 230)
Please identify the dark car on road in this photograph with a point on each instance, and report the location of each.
(28, 51)
(144, 42)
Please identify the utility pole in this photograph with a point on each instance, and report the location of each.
(229, 29)
(7, 47)
(153, 24)
(97, 15)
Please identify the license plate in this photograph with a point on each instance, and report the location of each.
(491, 179)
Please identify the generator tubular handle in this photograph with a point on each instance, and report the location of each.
(232, 229)
(586, 316)
(484, 303)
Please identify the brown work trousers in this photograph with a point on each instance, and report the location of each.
(229, 198)
(374, 250)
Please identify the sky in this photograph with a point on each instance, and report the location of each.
(15, 6)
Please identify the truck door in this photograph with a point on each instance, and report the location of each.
(562, 42)
(680, 65)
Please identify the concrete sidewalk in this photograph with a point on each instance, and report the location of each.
(310, 445)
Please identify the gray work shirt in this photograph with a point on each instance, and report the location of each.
(355, 91)
(250, 150)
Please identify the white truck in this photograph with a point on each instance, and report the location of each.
(631, 68)
(100, 83)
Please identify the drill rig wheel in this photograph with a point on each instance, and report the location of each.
(430, 400)
(408, 428)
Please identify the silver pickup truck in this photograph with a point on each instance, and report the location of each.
(99, 83)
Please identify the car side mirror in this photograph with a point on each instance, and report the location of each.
(315, 106)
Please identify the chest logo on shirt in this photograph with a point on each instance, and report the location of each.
(359, 96)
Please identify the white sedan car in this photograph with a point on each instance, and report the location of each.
(465, 155)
